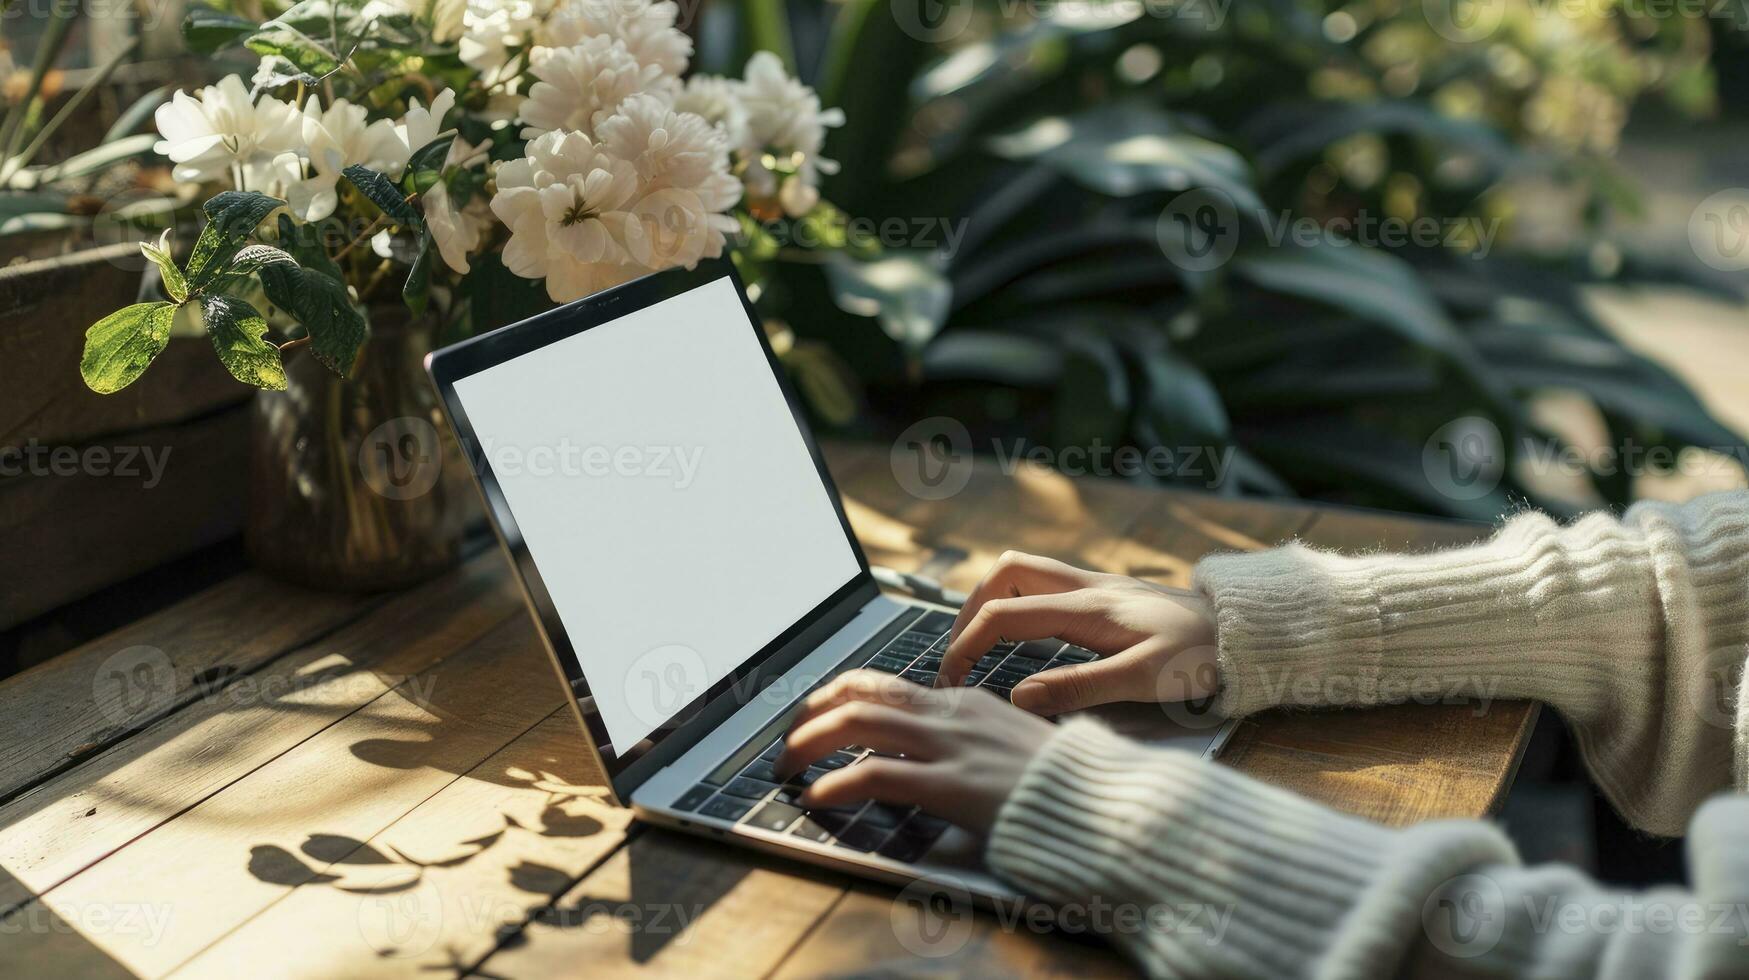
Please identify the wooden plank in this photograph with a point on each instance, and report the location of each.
(872, 931)
(72, 707)
(1397, 765)
(669, 905)
(75, 521)
(71, 822)
(432, 892)
(352, 779)
(45, 308)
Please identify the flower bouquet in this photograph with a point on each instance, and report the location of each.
(462, 156)
(399, 168)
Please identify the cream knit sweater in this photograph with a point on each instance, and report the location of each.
(1635, 630)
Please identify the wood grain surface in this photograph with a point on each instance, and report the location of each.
(388, 786)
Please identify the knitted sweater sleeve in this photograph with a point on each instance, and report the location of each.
(1635, 630)
(1198, 871)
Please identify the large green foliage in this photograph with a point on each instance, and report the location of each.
(1082, 148)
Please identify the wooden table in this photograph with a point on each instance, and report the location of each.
(261, 780)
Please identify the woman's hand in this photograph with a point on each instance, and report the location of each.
(964, 749)
(1156, 644)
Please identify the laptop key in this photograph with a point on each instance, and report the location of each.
(837, 760)
(906, 846)
(694, 798)
(1074, 655)
(862, 837)
(924, 825)
(924, 677)
(727, 808)
(749, 788)
(885, 815)
(761, 769)
(1025, 665)
(935, 621)
(774, 816)
(889, 664)
(809, 829)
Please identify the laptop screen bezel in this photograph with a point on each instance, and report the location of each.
(478, 354)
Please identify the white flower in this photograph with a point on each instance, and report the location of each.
(718, 100)
(491, 28)
(682, 163)
(646, 27)
(565, 204)
(205, 134)
(443, 17)
(456, 231)
(337, 138)
(581, 84)
(421, 125)
(785, 122)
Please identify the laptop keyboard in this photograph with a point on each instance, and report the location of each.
(750, 794)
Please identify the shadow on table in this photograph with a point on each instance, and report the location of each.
(40, 941)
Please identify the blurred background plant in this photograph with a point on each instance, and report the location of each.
(1080, 223)
(1100, 159)
(76, 133)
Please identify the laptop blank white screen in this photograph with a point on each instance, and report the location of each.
(666, 496)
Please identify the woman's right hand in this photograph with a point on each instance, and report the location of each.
(1155, 644)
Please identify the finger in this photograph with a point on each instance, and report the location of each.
(869, 686)
(886, 780)
(1018, 573)
(1021, 618)
(1078, 686)
(885, 729)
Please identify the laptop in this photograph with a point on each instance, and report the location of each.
(650, 473)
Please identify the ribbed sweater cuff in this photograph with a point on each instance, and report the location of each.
(1520, 616)
(1227, 876)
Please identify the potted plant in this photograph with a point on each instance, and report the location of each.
(399, 172)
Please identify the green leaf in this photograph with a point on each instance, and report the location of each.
(239, 333)
(206, 30)
(907, 293)
(417, 292)
(119, 347)
(1129, 149)
(321, 304)
(305, 244)
(231, 217)
(425, 167)
(278, 38)
(159, 253)
(385, 194)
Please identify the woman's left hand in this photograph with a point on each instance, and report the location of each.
(963, 749)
